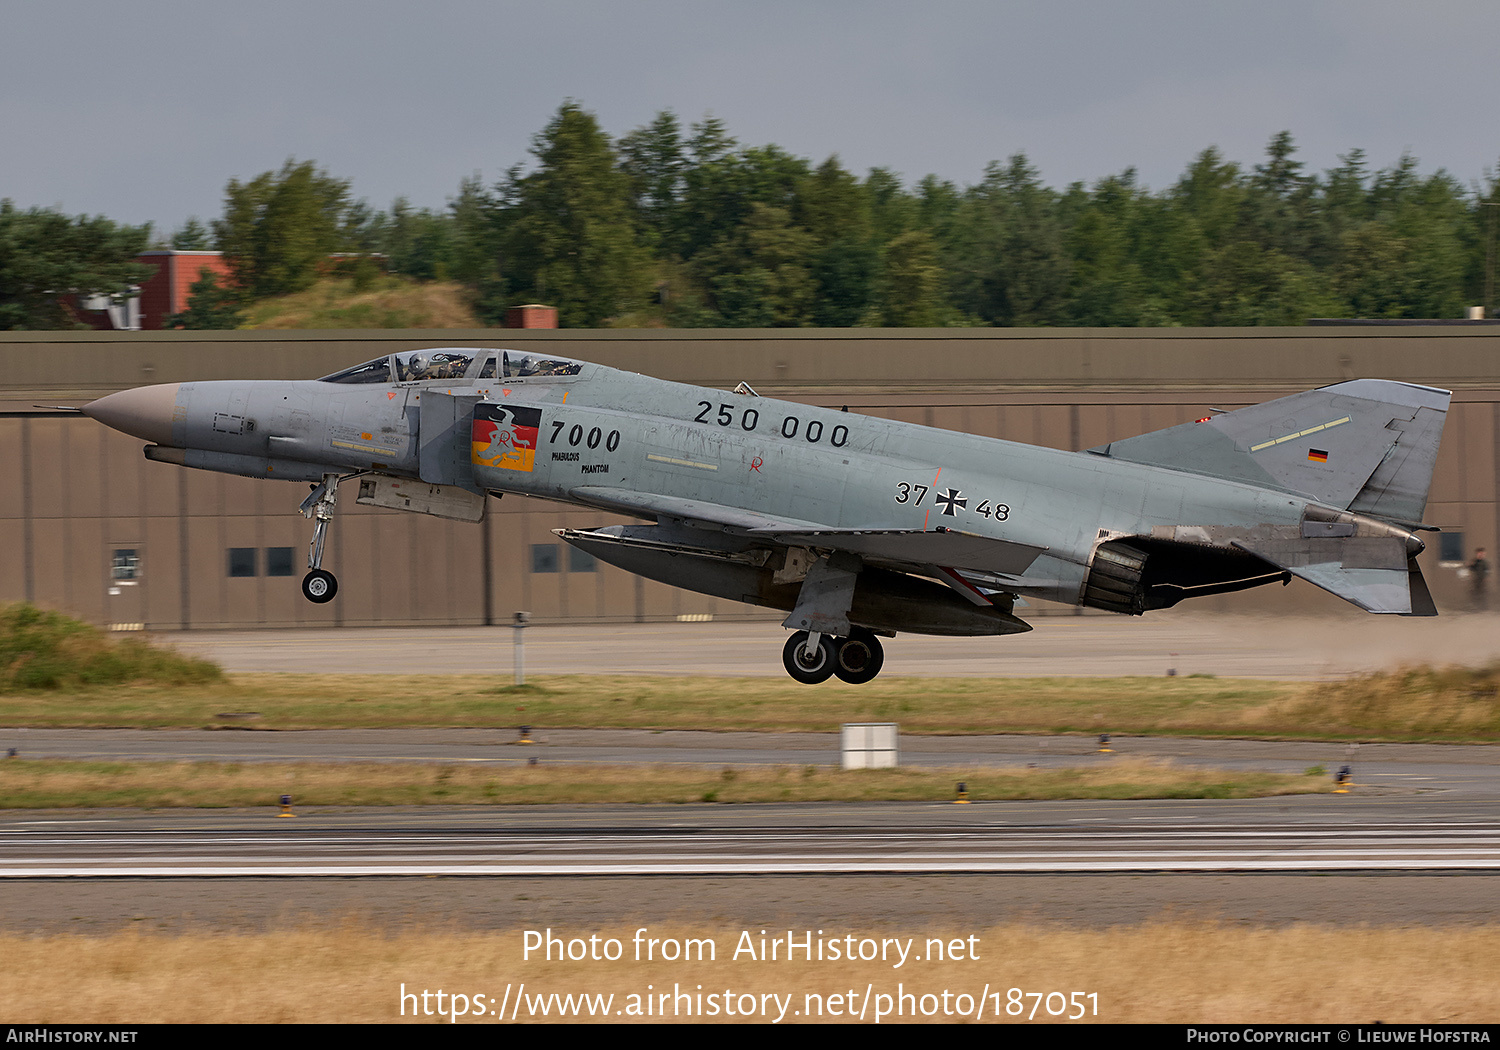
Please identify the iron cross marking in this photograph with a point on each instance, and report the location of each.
(951, 501)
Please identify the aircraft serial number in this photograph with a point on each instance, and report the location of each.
(577, 436)
(951, 501)
(791, 426)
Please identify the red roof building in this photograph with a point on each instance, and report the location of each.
(166, 293)
(532, 315)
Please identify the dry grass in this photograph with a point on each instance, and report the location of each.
(48, 784)
(1158, 972)
(1421, 704)
(1413, 703)
(390, 302)
(956, 705)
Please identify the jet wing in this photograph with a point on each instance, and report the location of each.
(650, 505)
(908, 547)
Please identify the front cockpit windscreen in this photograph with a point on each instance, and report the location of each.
(376, 371)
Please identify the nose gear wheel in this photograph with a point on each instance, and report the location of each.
(319, 586)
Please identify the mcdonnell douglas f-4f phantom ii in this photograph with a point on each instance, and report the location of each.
(858, 527)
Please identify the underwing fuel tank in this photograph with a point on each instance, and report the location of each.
(884, 601)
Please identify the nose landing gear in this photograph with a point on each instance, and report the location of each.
(319, 585)
(815, 658)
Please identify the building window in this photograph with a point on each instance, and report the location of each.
(1451, 547)
(544, 557)
(581, 561)
(125, 565)
(279, 561)
(242, 561)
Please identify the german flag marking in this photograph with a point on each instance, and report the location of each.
(505, 438)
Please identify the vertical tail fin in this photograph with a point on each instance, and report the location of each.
(1368, 446)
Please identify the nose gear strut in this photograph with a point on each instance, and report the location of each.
(320, 586)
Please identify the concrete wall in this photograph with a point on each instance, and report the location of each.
(75, 493)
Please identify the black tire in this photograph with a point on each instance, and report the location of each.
(809, 672)
(860, 658)
(319, 586)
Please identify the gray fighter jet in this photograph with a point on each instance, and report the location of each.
(858, 527)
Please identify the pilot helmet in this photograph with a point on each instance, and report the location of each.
(418, 366)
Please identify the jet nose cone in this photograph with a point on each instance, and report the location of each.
(145, 412)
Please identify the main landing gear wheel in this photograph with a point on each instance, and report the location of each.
(319, 586)
(810, 669)
(860, 658)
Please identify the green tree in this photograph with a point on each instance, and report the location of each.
(893, 211)
(1011, 267)
(1104, 240)
(832, 205)
(1434, 218)
(844, 271)
(193, 237)
(1199, 218)
(1245, 284)
(653, 159)
(279, 228)
(835, 209)
(209, 306)
(722, 183)
(910, 287)
(1281, 203)
(477, 222)
(46, 256)
(1343, 205)
(711, 205)
(568, 227)
(1210, 196)
(762, 278)
(418, 243)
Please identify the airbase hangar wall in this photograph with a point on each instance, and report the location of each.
(89, 526)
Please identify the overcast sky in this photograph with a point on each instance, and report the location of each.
(142, 111)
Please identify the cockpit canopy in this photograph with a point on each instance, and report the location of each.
(455, 363)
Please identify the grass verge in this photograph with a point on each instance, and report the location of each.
(1152, 973)
(1420, 704)
(51, 784)
(42, 650)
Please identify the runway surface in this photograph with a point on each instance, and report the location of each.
(1303, 834)
(1229, 646)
